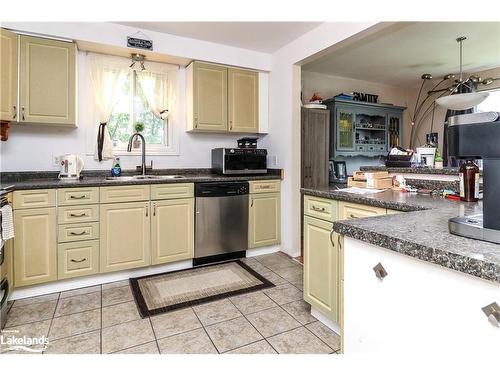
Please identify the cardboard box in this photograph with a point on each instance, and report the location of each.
(378, 183)
(362, 175)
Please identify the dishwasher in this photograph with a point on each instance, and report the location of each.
(221, 221)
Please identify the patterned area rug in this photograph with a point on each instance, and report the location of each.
(156, 294)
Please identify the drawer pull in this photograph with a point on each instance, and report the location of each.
(79, 234)
(380, 271)
(265, 186)
(78, 261)
(319, 209)
(78, 215)
(352, 216)
(78, 196)
(492, 311)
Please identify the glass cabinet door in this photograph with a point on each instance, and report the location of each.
(345, 130)
(394, 127)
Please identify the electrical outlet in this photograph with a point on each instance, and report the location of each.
(55, 161)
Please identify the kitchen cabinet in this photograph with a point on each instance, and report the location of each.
(243, 100)
(315, 130)
(348, 210)
(264, 223)
(47, 81)
(124, 236)
(172, 230)
(321, 267)
(8, 75)
(207, 96)
(35, 259)
(77, 259)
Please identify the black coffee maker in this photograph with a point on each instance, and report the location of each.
(339, 171)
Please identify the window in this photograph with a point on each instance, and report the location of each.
(492, 102)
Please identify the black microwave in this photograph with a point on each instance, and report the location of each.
(239, 161)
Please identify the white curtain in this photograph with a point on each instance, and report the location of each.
(107, 75)
(159, 90)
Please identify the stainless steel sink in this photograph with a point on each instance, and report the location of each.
(144, 177)
(121, 178)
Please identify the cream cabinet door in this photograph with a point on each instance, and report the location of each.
(47, 91)
(8, 75)
(264, 220)
(124, 236)
(321, 267)
(243, 100)
(35, 249)
(209, 97)
(172, 230)
(349, 210)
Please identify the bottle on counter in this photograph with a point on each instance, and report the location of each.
(116, 169)
(469, 181)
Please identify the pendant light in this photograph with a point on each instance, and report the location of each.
(460, 102)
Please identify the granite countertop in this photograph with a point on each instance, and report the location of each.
(420, 170)
(421, 231)
(49, 180)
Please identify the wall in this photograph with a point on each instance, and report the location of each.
(32, 147)
(330, 85)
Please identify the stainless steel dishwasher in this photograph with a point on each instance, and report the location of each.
(221, 221)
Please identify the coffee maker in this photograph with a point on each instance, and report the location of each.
(475, 136)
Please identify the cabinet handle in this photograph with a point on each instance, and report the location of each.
(492, 311)
(77, 215)
(78, 234)
(154, 210)
(352, 216)
(196, 122)
(331, 239)
(314, 208)
(78, 196)
(265, 186)
(22, 113)
(251, 203)
(147, 211)
(78, 261)
(15, 112)
(380, 271)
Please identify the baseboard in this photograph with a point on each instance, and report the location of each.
(85, 281)
(335, 327)
(263, 250)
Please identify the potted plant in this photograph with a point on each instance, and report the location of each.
(438, 160)
(138, 127)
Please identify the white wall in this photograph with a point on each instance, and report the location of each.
(32, 147)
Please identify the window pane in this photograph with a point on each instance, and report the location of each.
(154, 128)
(119, 123)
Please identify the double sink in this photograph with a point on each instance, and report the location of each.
(149, 177)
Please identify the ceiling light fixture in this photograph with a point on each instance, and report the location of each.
(137, 58)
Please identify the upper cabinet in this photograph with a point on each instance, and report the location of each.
(223, 99)
(8, 75)
(47, 81)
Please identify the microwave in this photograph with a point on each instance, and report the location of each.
(239, 160)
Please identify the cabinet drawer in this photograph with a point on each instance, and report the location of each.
(349, 210)
(171, 191)
(78, 259)
(66, 197)
(34, 198)
(77, 232)
(264, 186)
(116, 194)
(77, 214)
(325, 209)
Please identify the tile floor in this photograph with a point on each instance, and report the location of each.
(104, 319)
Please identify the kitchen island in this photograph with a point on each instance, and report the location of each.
(436, 291)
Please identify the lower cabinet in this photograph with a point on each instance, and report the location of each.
(321, 267)
(348, 210)
(77, 259)
(264, 220)
(172, 230)
(124, 236)
(35, 249)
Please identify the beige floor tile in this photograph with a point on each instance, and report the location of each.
(273, 277)
(259, 347)
(149, 348)
(30, 330)
(192, 342)
(117, 295)
(121, 313)
(300, 310)
(74, 324)
(291, 274)
(272, 259)
(287, 263)
(232, 334)
(272, 321)
(299, 286)
(115, 284)
(87, 343)
(250, 261)
(174, 322)
(252, 302)
(126, 335)
(80, 291)
(282, 294)
(30, 313)
(79, 303)
(298, 341)
(325, 334)
(38, 299)
(215, 312)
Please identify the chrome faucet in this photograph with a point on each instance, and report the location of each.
(143, 143)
